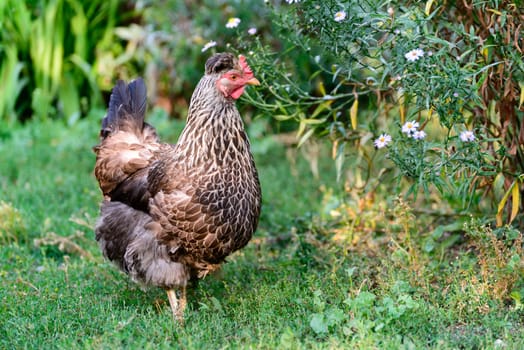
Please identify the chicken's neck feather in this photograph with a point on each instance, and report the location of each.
(214, 135)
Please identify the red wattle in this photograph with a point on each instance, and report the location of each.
(237, 92)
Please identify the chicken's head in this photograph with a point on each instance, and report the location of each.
(233, 74)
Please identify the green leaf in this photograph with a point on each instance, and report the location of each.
(12, 84)
(320, 108)
(318, 324)
(340, 159)
(217, 305)
(334, 316)
(70, 100)
(363, 301)
(429, 245)
(453, 227)
(282, 117)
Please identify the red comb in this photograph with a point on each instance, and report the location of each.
(245, 67)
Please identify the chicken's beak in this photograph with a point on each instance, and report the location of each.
(253, 81)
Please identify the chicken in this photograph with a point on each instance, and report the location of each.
(172, 213)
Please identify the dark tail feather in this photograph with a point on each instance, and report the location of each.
(127, 108)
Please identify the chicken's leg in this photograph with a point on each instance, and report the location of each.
(183, 302)
(177, 305)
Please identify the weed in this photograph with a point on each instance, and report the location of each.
(12, 227)
(406, 250)
(500, 257)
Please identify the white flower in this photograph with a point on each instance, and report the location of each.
(233, 22)
(209, 45)
(317, 59)
(292, 1)
(252, 31)
(467, 136)
(419, 134)
(382, 141)
(391, 11)
(340, 16)
(499, 343)
(414, 55)
(410, 127)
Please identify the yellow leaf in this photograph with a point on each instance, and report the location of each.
(502, 203)
(301, 129)
(427, 9)
(515, 193)
(282, 117)
(321, 88)
(334, 149)
(402, 108)
(353, 114)
(495, 12)
(305, 137)
(521, 85)
(499, 219)
(485, 53)
(313, 121)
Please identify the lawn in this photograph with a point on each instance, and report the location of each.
(296, 285)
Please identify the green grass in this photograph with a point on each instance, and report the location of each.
(292, 287)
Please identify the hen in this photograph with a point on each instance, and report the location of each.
(172, 213)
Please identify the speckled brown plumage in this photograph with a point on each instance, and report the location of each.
(172, 212)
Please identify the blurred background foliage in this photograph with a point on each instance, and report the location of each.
(331, 85)
(51, 55)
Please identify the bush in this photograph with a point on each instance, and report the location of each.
(451, 72)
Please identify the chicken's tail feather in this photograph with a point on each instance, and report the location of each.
(127, 144)
(127, 107)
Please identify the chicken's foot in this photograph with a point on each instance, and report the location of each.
(178, 305)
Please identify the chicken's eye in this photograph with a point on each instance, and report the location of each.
(233, 77)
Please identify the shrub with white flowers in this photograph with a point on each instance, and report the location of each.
(445, 87)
